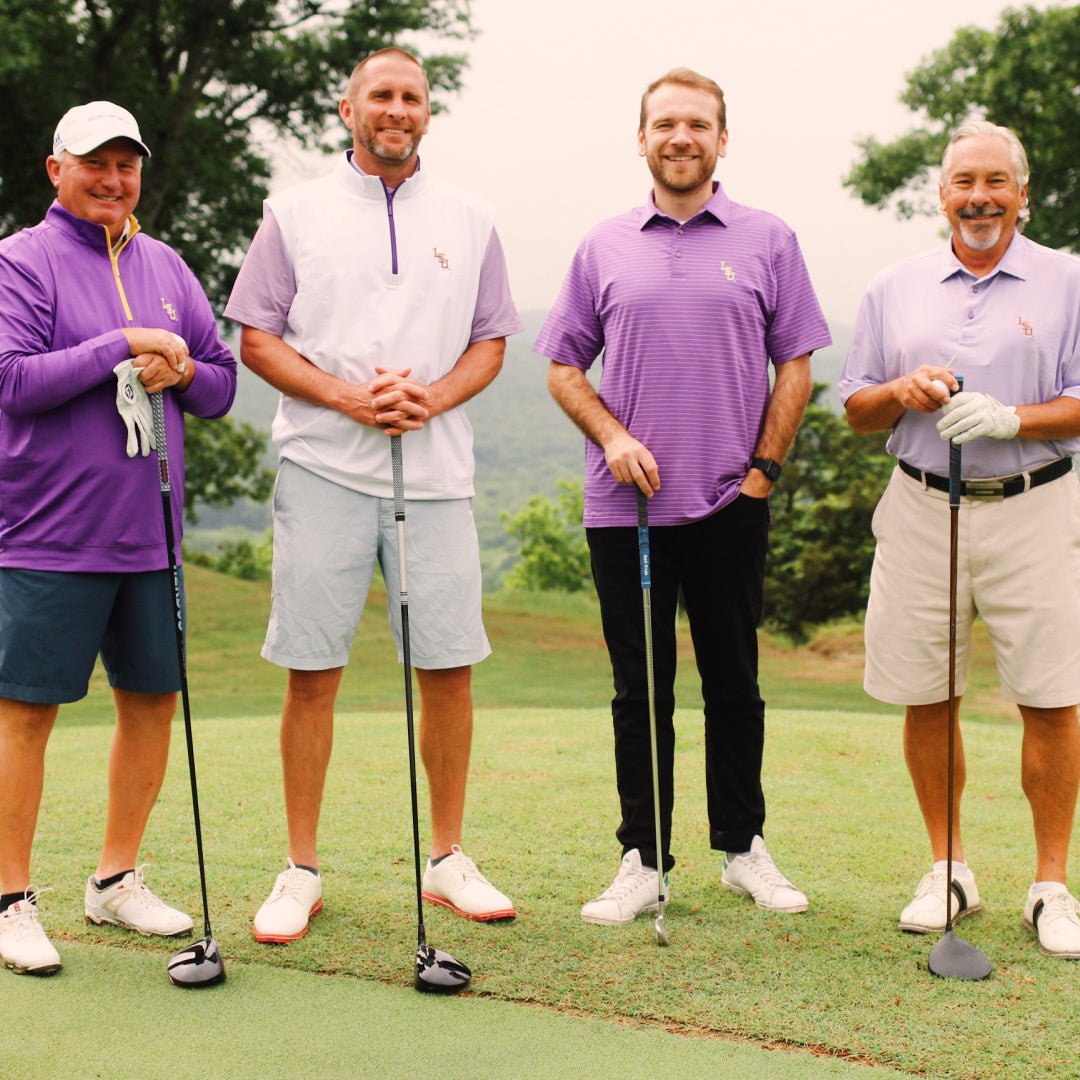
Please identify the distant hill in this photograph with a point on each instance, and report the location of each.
(524, 443)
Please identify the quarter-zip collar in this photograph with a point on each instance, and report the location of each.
(96, 237)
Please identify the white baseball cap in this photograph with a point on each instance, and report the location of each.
(86, 127)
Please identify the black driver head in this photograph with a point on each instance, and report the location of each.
(439, 973)
(955, 958)
(197, 965)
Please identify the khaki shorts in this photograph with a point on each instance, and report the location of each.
(327, 539)
(1018, 567)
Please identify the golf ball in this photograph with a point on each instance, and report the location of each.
(940, 386)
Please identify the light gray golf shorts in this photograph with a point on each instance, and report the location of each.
(327, 539)
(1018, 567)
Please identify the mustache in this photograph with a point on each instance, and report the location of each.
(980, 213)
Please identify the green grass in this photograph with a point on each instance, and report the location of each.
(840, 980)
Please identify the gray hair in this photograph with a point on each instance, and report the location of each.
(1016, 149)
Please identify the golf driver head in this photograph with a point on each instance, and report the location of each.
(955, 958)
(197, 965)
(439, 973)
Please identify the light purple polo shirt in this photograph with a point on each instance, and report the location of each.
(1015, 334)
(688, 317)
(266, 286)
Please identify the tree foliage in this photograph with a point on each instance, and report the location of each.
(223, 464)
(209, 81)
(1023, 74)
(821, 546)
(554, 553)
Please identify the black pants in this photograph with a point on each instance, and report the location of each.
(719, 563)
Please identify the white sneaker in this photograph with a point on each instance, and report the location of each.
(24, 946)
(632, 892)
(295, 898)
(1055, 916)
(755, 874)
(456, 883)
(130, 904)
(926, 913)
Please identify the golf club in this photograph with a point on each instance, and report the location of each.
(645, 562)
(952, 957)
(436, 972)
(199, 964)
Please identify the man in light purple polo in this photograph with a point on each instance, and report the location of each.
(94, 314)
(1004, 312)
(689, 298)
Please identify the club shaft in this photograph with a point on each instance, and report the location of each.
(403, 587)
(158, 407)
(645, 563)
(955, 481)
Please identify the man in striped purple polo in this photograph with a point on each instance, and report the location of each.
(689, 298)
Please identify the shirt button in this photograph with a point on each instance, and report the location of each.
(971, 314)
(678, 254)
(680, 232)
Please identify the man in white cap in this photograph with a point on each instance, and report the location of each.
(94, 315)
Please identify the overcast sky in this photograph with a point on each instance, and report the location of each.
(546, 125)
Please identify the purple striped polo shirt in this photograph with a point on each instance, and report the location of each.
(688, 316)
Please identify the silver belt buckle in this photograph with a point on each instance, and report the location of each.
(984, 489)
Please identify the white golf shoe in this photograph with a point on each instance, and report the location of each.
(926, 912)
(755, 874)
(24, 946)
(284, 915)
(456, 883)
(632, 892)
(130, 904)
(1054, 914)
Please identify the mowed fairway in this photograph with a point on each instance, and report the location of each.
(840, 980)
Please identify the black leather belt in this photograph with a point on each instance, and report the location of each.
(1000, 488)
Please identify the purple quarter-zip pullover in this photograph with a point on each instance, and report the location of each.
(70, 498)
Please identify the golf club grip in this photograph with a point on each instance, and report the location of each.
(955, 477)
(399, 477)
(157, 407)
(644, 559)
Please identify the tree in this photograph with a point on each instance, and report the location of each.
(208, 80)
(223, 464)
(821, 545)
(1024, 75)
(554, 553)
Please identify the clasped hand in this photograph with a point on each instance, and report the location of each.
(398, 403)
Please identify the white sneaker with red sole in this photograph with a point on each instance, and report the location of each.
(294, 900)
(456, 883)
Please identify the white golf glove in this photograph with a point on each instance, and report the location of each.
(966, 416)
(133, 405)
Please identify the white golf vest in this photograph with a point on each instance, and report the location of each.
(387, 281)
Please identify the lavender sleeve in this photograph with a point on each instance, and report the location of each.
(211, 392)
(266, 285)
(495, 315)
(798, 326)
(33, 377)
(572, 333)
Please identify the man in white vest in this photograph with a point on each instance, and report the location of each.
(376, 300)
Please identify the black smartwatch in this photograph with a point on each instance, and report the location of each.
(766, 465)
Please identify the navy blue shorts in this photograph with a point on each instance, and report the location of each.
(54, 624)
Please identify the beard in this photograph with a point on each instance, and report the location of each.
(980, 230)
(680, 182)
(369, 140)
